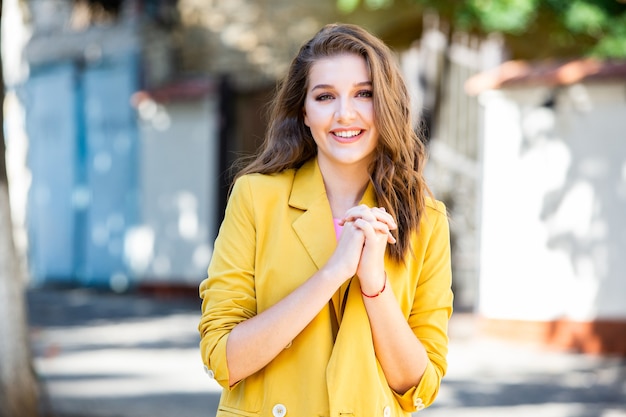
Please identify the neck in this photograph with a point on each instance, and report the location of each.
(345, 186)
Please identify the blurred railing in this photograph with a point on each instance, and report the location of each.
(436, 69)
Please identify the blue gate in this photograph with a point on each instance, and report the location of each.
(50, 99)
(83, 158)
(111, 169)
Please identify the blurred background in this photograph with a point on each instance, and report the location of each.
(122, 118)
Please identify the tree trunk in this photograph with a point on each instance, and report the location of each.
(18, 384)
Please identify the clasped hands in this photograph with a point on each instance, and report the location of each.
(361, 247)
(374, 222)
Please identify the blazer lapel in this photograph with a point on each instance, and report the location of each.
(314, 227)
(369, 197)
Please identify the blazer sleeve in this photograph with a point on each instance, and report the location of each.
(432, 307)
(228, 293)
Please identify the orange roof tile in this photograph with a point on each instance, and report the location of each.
(547, 73)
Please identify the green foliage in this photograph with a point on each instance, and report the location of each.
(585, 27)
(613, 43)
(585, 17)
(512, 16)
(378, 4)
(603, 21)
(348, 6)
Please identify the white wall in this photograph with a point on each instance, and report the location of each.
(553, 227)
(179, 191)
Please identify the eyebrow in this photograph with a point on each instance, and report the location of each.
(328, 86)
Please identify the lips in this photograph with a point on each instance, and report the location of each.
(347, 136)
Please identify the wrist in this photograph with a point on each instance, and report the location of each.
(334, 275)
(379, 291)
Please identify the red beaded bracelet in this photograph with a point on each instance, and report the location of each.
(379, 292)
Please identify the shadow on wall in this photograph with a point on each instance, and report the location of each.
(583, 213)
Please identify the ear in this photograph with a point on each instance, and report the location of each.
(306, 119)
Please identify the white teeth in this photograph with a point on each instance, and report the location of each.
(348, 134)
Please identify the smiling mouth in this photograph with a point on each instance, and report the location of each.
(347, 134)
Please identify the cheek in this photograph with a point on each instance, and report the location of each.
(367, 110)
(313, 117)
(309, 114)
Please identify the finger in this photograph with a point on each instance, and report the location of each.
(371, 229)
(366, 227)
(382, 228)
(358, 212)
(381, 215)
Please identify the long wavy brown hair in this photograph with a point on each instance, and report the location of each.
(397, 169)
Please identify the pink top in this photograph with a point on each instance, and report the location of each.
(338, 228)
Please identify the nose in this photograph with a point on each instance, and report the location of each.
(345, 112)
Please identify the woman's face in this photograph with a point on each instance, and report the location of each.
(339, 110)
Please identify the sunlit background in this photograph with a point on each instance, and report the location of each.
(123, 118)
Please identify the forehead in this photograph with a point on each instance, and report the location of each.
(339, 69)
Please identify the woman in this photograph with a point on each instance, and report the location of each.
(328, 293)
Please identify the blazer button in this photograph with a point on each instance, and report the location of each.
(387, 411)
(279, 410)
(419, 404)
(209, 372)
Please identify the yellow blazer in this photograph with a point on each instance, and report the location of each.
(277, 232)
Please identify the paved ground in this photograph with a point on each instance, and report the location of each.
(106, 355)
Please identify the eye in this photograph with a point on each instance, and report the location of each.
(365, 94)
(323, 97)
